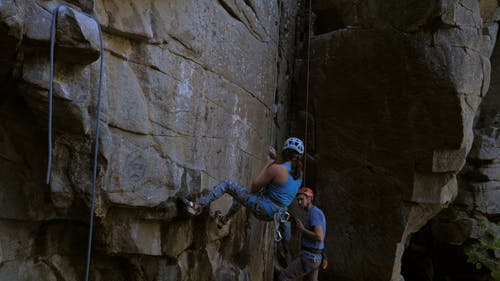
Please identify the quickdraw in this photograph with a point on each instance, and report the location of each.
(280, 217)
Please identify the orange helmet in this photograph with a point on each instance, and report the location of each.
(306, 191)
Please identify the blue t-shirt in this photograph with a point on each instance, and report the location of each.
(314, 217)
(281, 194)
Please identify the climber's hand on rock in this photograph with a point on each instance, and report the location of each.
(271, 153)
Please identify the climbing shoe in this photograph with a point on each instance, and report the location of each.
(191, 207)
(220, 219)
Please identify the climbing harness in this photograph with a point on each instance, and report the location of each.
(96, 141)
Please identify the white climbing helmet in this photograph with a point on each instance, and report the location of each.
(295, 144)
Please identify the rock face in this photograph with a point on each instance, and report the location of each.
(394, 88)
(195, 90)
(191, 89)
(467, 234)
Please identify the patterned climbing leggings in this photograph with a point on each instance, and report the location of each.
(241, 195)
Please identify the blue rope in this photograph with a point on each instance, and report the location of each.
(96, 141)
(96, 152)
(51, 82)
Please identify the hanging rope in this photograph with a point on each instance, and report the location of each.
(274, 108)
(274, 112)
(96, 141)
(51, 82)
(307, 89)
(96, 152)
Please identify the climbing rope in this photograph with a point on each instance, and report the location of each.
(274, 106)
(51, 82)
(272, 137)
(96, 141)
(307, 89)
(282, 217)
(96, 151)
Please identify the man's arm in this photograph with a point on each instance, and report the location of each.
(316, 233)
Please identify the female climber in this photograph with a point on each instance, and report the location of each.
(271, 192)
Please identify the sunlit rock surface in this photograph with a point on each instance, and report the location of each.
(194, 91)
(190, 92)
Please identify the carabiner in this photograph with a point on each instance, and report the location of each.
(277, 236)
(285, 217)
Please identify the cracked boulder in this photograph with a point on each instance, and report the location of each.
(77, 37)
(77, 34)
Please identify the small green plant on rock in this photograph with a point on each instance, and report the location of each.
(485, 250)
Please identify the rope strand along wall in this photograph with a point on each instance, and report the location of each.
(307, 89)
(96, 141)
(51, 83)
(96, 152)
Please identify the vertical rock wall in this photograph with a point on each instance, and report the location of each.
(463, 241)
(191, 92)
(394, 89)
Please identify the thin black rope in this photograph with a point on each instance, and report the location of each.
(307, 88)
(96, 152)
(96, 141)
(51, 82)
(274, 107)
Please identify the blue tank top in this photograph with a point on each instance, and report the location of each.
(281, 195)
